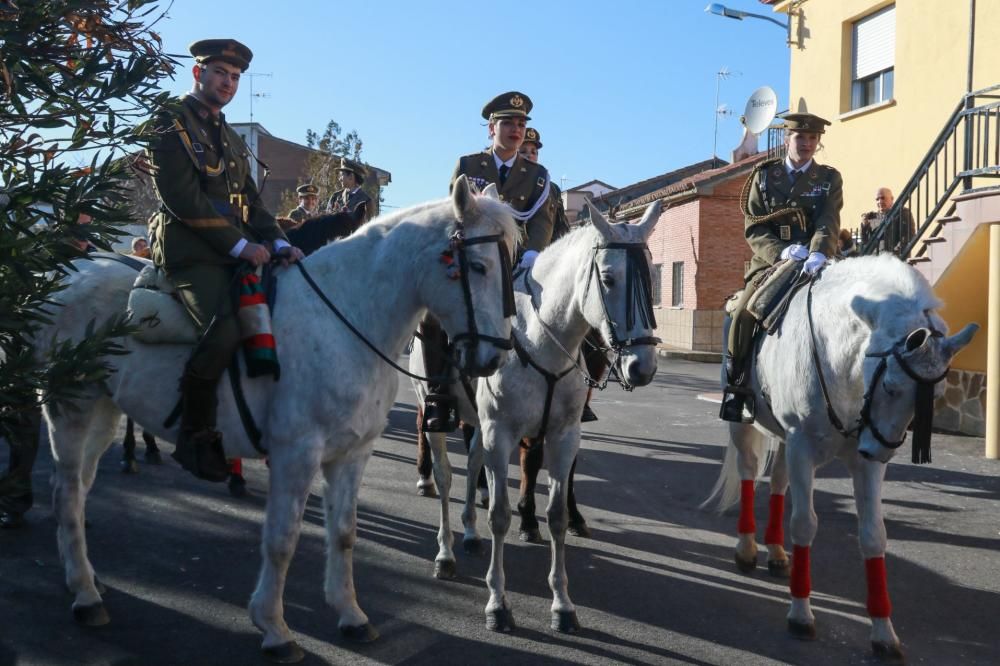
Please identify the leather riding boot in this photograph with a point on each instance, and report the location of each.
(440, 407)
(737, 399)
(199, 447)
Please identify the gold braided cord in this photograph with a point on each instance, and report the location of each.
(752, 220)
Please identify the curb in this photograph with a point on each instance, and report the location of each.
(689, 355)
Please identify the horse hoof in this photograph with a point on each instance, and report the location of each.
(94, 615)
(237, 486)
(366, 633)
(425, 488)
(472, 546)
(779, 568)
(888, 654)
(579, 530)
(152, 457)
(745, 566)
(129, 467)
(530, 535)
(565, 622)
(286, 653)
(804, 631)
(444, 569)
(500, 620)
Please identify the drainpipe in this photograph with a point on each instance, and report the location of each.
(993, 348)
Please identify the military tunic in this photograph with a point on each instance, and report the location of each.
(299, 215)
(209, 202)
(343, 201)
(526, 182)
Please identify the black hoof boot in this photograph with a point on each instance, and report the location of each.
(152, 457)
(579, 529)
(500, 620)
(565, 622)
(804, 631)
(472, 546)
(366, 633)
(94, 615)
(744, 566)
(129, 466)
(530, 535)
(588, 415)
(888, 654)
(779, 568)
(445, 570)
(237, 486)
(286, 653)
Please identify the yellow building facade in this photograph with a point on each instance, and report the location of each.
(889, 75)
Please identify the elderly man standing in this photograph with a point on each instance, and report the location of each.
(900, 231)
(210, 220)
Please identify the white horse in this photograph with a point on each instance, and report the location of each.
(591, 278)
(877, 346)
(334, 393)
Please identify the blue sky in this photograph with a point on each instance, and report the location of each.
(622, 91)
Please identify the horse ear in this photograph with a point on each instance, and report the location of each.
(358, 216)
(491, 192)
(599, 221)
(461, 198)
(650, 218)
(952, 345)
(867, 310)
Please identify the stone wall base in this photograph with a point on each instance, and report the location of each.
(696, 330)
(962, 408)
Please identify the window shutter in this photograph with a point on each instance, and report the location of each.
(875, 43)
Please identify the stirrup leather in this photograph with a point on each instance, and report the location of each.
(440, 413)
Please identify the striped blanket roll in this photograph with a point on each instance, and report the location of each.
(259, 348)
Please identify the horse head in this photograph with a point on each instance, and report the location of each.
(472, 296)
(618, 297)
(902, 376)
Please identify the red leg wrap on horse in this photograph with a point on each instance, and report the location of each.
(801, 584)
(746, 524)
(775, 534)
(236, 467)
(878, 589)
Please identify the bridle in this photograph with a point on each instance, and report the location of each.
(639, 299)
(924, 407)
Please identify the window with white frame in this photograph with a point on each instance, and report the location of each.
(657, 276)
(677, 285)
(874, 58)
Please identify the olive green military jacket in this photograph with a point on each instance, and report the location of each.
(201, 170)
(560, 224)
(818, 193)
(526, 182)
(341, 201)
(300, 214)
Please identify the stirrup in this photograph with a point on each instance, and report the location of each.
(201, 454)
(440, 413)
(738, 405)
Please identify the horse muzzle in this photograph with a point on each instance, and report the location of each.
(869, 448)
(639, 368)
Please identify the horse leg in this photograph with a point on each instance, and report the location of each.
(128, 463)
(774, 537)
(532, 453)
(425, 484)
(562, 457)
(78, 439)
(577, 523)
(743, 438)
(237, 484)
(499, 616)
(803, 525)
(471, 543)
(437, 449)
(343, 480)
(468, 431)
(868, 476)
(152, 455)
(292, 472)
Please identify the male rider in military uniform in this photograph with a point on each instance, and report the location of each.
(209, 221)
(792, 212)
(524, 186)
(308, 204)
(350, 196)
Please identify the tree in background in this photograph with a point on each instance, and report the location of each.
(77, 77)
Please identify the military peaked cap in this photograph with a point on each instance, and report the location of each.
(508, 105)
(228, 50)
(531, 135)
(804, 122)
(359, 171)
(307, 190)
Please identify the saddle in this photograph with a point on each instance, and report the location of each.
(155, 307)
(775, 289)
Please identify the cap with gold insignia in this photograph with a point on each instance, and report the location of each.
(359, 171)
(531, 135)
(804, 122)
(307, 190)
(508, 105)
(228, 50)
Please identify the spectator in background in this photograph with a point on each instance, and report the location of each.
(898, 234)
(140, 247)
(308, 207)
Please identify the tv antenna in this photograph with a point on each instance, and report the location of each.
(723, 73)
(252, 76)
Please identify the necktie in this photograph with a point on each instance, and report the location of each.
(795, 175)
(504, 170)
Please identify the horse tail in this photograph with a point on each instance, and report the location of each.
(749, 444)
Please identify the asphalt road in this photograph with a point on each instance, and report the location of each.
(655, 585)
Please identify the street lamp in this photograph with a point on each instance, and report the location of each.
(720, 9)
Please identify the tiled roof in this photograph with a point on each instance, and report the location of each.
(624, 196)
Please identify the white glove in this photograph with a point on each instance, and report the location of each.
(796, 252)
(815, 262)
(528, 259)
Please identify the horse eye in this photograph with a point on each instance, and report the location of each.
(478, 267)
(608, 280)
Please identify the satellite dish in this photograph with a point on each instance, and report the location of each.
(760, 110)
